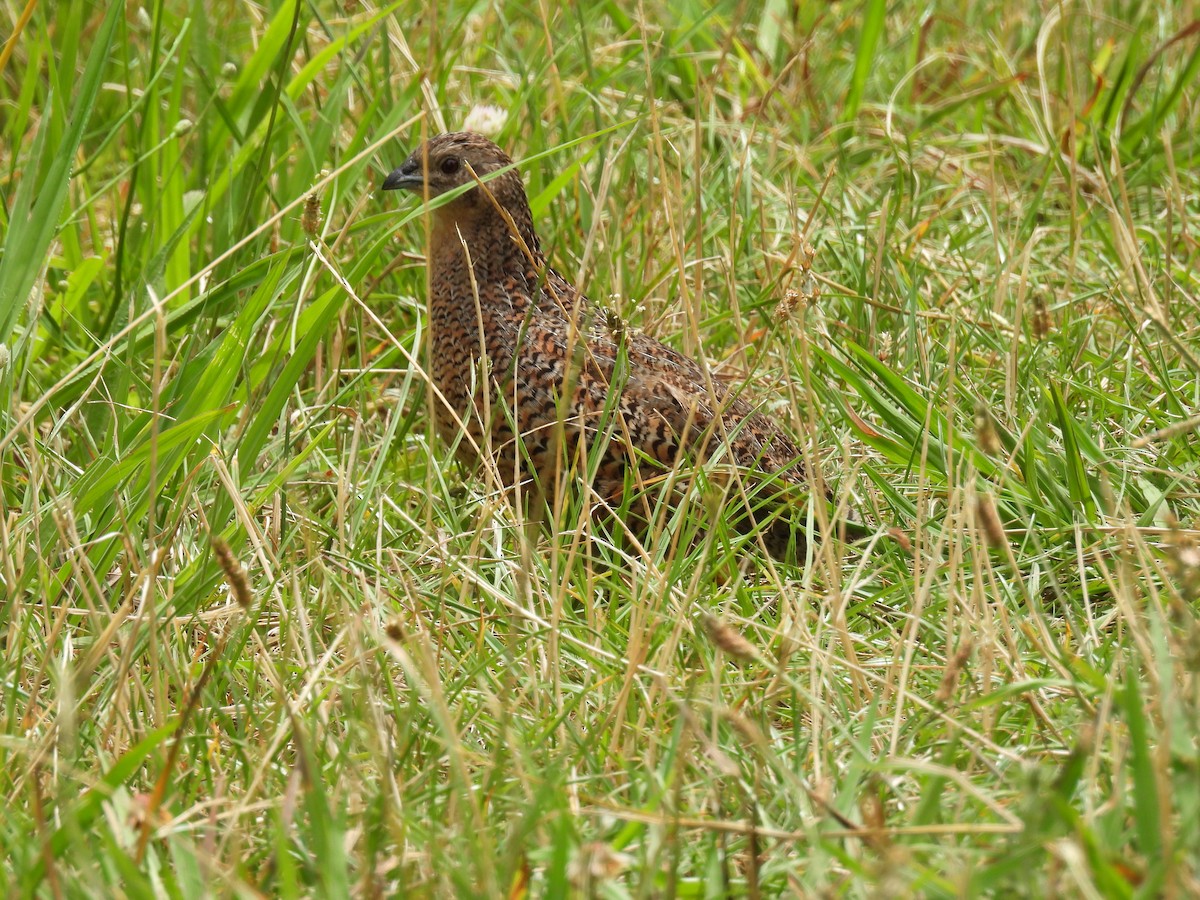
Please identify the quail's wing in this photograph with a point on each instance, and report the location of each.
(626, 386)
(662, 404)
(705, 414)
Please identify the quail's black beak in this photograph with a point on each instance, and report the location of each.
(407, 177)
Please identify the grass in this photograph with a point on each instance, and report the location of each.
(260, 635)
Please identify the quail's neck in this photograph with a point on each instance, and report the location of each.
(495, 253)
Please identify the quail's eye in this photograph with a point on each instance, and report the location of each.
(450, 165)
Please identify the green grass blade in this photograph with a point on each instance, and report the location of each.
(873, 19)
(42, 192)
(1147, 816)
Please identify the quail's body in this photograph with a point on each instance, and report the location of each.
(554, 369)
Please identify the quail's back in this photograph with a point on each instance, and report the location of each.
(557, 379)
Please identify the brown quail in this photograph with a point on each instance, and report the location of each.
(556, 369)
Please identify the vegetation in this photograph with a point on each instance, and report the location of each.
(260, 634)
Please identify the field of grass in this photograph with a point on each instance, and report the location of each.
(259, 635)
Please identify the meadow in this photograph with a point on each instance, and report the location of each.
(260, 635)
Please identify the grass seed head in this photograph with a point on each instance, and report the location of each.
(1042, 323)
(311, 220)
(786, 306)
(953, 669)
(728, 639)
(989, 520)
(394, 629)
(235, 572)
(985, 430)
(614, 324)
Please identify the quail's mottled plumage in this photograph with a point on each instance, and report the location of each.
(556, 368)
